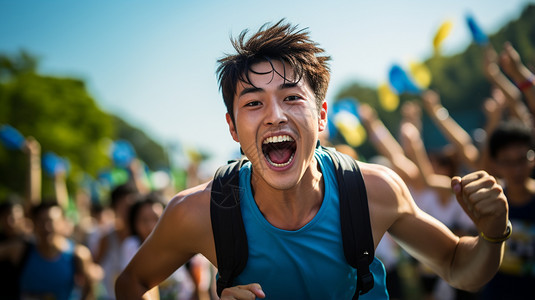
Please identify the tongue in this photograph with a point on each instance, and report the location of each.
(280, 156)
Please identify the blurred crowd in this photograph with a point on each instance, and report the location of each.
(45, 254)
(49, 252)
(507, 152)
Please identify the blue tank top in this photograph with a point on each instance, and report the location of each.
(48, 278)
(307, 263)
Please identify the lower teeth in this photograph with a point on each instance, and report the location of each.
(280, 165)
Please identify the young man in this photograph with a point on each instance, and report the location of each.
(274, 89)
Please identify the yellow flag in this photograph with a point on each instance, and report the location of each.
(421, 74)
(388, 99)
(350, 128)
(194, 155)
(442, 33)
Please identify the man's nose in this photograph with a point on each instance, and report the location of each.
(275, 114)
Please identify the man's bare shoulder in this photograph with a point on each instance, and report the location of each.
(381, 180)
(195, 196)
(191, 206)
(187, 218)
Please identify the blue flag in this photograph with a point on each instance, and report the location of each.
(477, 33)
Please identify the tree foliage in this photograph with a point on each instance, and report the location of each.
(61, 115)
(65, 119)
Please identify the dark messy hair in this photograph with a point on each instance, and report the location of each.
(282, 42)
(510, 133)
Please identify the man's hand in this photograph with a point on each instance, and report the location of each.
(482, 198)
(243, 292)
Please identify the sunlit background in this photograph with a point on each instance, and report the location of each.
(153, 63)
(96, 94)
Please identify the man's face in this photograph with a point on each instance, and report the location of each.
(277, 124)
(515, 163)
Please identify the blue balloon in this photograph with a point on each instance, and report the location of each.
(477, 33)
(123, 153)
(401, 82)
(53, 164)
(11, 138)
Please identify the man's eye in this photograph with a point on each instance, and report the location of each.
(253, 103)
(293, 98)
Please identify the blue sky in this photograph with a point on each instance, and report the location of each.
(153, 62)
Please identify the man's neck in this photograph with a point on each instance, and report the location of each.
(292, 209)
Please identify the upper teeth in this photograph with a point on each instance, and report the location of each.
(278, 139)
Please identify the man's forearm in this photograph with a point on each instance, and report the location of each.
(475, 262)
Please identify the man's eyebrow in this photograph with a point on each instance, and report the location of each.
(250, 90)
(286, 85)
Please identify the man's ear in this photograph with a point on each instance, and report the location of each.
(322, 120)
(232, 128)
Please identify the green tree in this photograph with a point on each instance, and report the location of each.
(65, 119)
(58, 112)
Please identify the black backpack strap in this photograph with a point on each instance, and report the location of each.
(359, 249)
(227, 224)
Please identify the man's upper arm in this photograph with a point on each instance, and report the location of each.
(392, 209)
(183, 231)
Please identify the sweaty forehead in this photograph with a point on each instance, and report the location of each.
(268, 71)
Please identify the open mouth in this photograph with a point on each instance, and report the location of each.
(279, 150)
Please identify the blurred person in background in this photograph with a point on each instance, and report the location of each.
(511, 148)
(102, 219)
(51, 265)
(13, 229)
(142, 218)
(108, 254)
